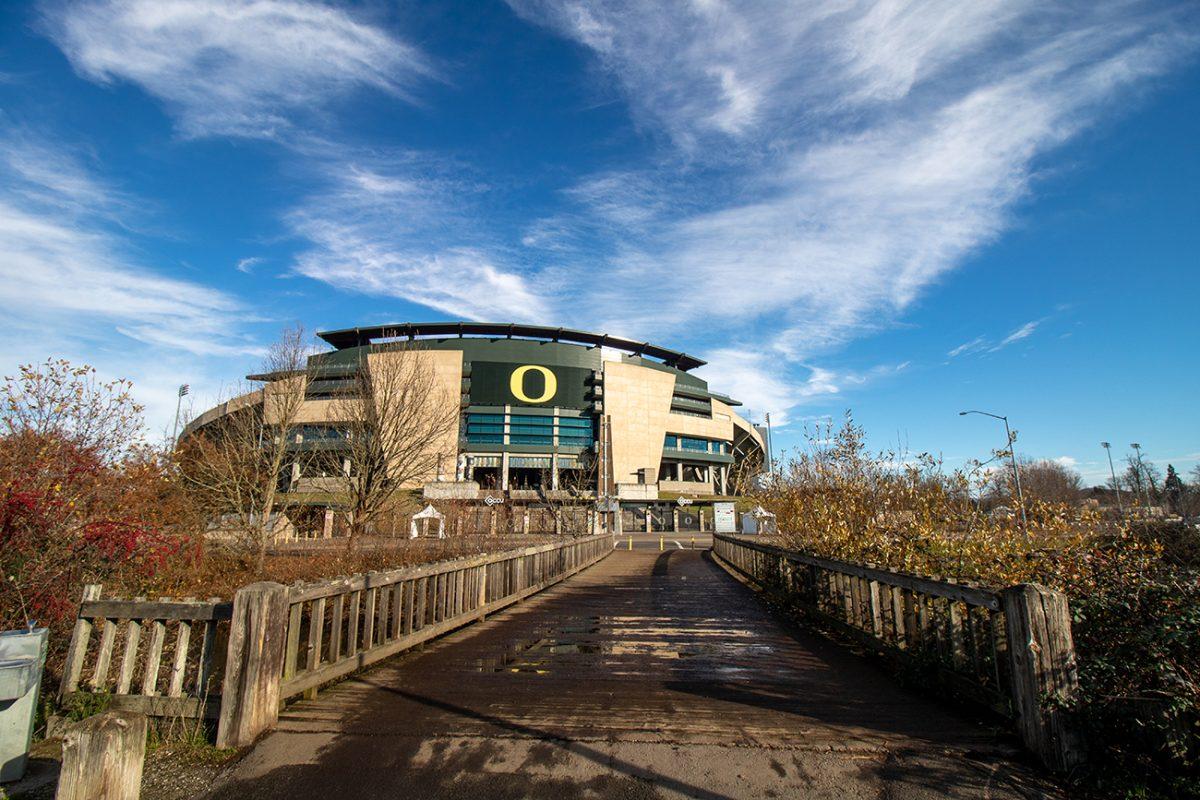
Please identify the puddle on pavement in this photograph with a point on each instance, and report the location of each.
(621, 637)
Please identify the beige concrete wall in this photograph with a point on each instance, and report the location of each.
(637, 401)
(719, 427)
(687, 487)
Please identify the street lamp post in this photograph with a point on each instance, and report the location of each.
(1012, 452)
(1113, 471)
(1142, 475)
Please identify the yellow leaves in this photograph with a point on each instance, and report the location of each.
(838, 500)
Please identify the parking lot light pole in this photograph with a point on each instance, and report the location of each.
(1012, 452)
(1113, 471)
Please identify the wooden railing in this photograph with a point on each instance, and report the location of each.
(154, 657)
(1008, 648)
(168, 658)
(337, 627)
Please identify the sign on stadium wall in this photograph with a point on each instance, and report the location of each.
(496, 383)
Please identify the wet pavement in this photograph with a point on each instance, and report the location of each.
(649, 675)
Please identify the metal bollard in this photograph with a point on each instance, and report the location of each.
(630, 542)
(693, 542)
(660, 543)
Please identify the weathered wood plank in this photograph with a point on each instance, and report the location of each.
(292, 646)
(102, 757)
(179, 667)
(368, 636)
(316, 630)
(1044, 676)
(158, 636)
(162, 609)
(335, 633)
(253, 664)
(205, 670)
(77, 649)
(133, 637)
(352, 627)
(108, 638)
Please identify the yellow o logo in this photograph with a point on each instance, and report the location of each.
(516, 384)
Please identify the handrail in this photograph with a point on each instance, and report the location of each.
(1009, 648)
(337, 627)
(958, 628)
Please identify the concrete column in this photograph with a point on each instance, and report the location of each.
(327, 530)
(649, 526)
(504, 469)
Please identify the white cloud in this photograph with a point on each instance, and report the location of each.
(1023, 332)
(754, 377)
(248, 264)
(973, 346)
(241, 67)
(1068, 461)
(369, 232)
(63, 267)
(830, 162)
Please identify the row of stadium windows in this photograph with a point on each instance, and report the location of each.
(535, 429)
(673, 442)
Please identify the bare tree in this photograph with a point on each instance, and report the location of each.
(401, 426)
(236, 463)
(1050, 481)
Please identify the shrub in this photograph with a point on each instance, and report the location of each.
(1134, 591)
(81, 497)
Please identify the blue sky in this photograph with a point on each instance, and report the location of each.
(904, 209)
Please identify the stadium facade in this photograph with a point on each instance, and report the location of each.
(550, 413)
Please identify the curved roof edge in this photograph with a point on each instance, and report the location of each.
(356, 337)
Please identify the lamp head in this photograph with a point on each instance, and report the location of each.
(1105, 445)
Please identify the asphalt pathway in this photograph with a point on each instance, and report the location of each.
(652, 674)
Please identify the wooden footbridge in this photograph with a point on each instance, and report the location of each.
(584, 670)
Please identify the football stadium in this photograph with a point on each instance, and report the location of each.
(546, 416)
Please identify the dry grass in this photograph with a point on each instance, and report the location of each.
(220, 572)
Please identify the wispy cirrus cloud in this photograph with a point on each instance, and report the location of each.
(369, 229)
(982, 344)
(264, 69)
(234, 67)
(67, 267)
(754, 377)
(247, 265)
(1023, 332)
(832, 162)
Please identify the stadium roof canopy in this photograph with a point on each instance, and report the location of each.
(356, 337)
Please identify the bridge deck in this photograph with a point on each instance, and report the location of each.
(649, 675)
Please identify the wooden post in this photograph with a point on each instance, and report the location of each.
(253, 664)
(102, 758)
(1044, 677)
